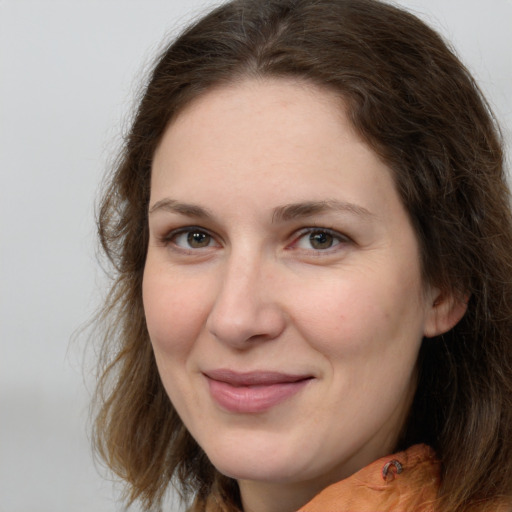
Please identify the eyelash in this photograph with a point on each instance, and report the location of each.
(170, 239)
(336, 238)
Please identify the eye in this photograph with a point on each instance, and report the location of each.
(319, 239)
(191, 238)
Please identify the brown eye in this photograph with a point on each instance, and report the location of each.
(321, 240)
(198, 239)
(317, 240)
(192, 238)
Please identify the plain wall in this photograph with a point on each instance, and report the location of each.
(68, 73)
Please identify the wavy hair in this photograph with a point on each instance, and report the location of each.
(414, 103)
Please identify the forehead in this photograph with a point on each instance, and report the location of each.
(288, 141)
(289, 108)
(280, 91)
(261, 114)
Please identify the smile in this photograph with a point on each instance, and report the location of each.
(253, 392)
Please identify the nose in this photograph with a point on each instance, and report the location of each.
(246, 309)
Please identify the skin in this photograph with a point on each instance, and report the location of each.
(238, 279)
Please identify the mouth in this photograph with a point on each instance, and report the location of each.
(253, 392)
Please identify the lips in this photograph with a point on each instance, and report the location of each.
(252, 392)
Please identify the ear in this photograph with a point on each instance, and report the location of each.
(445, 311)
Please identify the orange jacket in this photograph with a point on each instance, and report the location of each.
(407, 481)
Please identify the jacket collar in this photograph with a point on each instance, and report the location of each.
(402, 482)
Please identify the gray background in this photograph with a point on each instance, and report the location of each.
(68, 73)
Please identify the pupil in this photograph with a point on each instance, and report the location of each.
(198, 239)
(321, 240)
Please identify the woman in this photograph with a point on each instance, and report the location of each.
(310, 230)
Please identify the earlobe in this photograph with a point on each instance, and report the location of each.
(445, 313)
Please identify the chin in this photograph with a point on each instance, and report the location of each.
(259, 471)
(256, 460)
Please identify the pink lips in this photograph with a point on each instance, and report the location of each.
(252, 392)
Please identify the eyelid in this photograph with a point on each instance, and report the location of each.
(301, 233)
(168, 240)
(169, 237)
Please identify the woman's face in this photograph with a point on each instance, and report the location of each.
(282, 285)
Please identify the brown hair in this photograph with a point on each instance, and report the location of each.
(416, 105)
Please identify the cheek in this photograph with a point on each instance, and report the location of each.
(362, 313)
(174, 313)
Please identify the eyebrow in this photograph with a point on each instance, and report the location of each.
(173, 206)
(283, 213)
(309, 208)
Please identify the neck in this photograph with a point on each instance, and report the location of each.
(264, 496)
(271, 497)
